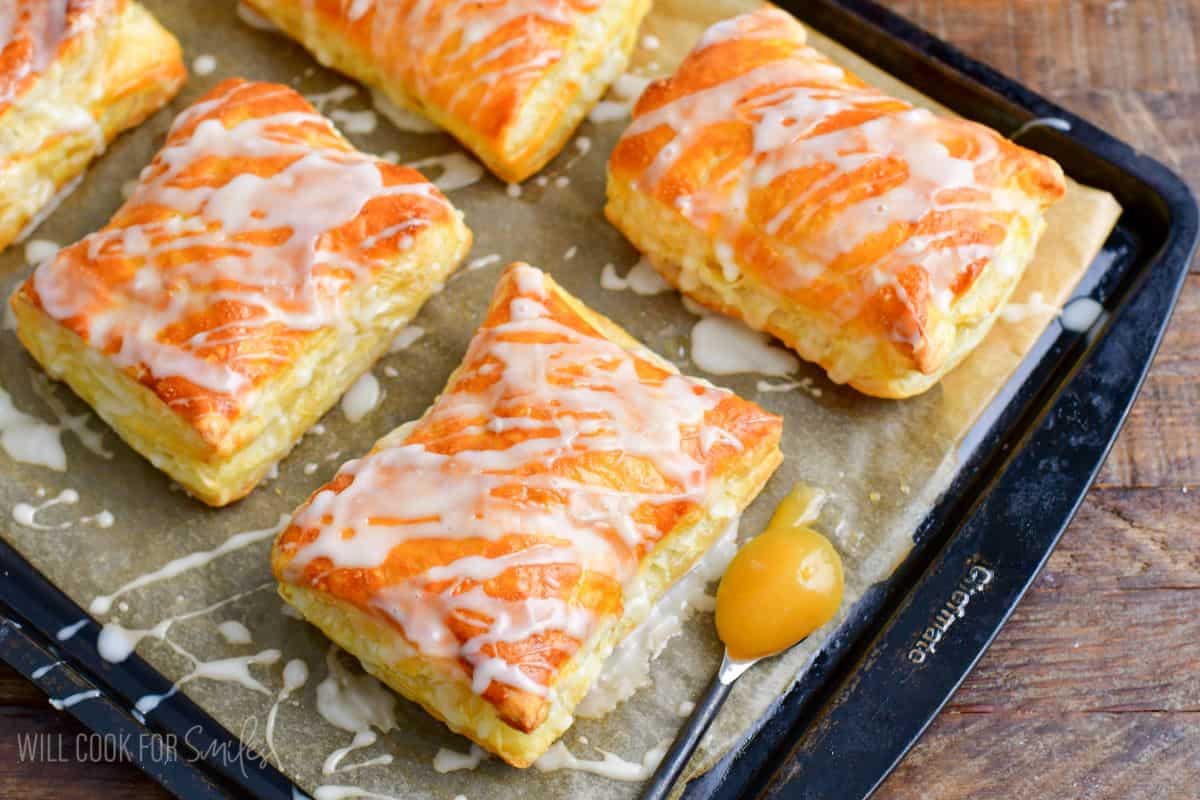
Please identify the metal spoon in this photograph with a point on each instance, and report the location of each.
(689, 736)
(790, 569)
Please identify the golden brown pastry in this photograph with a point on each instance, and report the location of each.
(485, 559)
(876, 239)
(260, 266)
(510, 79)
(73, 74)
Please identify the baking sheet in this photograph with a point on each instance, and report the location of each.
(885, 462)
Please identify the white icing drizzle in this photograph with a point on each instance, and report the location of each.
(1036, 306)
(295, 675)
(44, 670)
(362, 397)
(362, 121)
(361, 739)
(178, 566)
(205, 64)
(226, 670)
(1077, 316)
(234, 632)
(454, 170)
(643, 278)
(116, 642)
(31, 441)
(597, 403)
(446, 760)
(354, 702)
(69, 631)
(357, 703)
(404, 119)
(628, 667)
(254, 19)
(460, 39)
(335, 96)
(25, 514)
(299, 284)
(1081, 314)
(406, 337)
(611, 766)
(798, 127)
(75, 699)
(726, 346)
(625, 93)
(38, 250)
(483, 261)
(1054, 123)
(804, 384)
(31, 33)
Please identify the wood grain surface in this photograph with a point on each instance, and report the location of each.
(1093, 688)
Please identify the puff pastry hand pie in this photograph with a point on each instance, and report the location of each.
(73, 74)
(259, 267)
(876, 239)
(485, 559)
(510, 79)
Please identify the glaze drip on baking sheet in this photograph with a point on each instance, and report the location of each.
(251, 229)
(824, 189)
(498, 531)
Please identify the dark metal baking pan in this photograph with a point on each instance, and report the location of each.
(867, 697)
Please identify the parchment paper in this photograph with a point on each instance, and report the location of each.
(885, 462)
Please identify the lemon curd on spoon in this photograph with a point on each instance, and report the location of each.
(781, 586)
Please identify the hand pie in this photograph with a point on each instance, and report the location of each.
(876, 239)
(73, 74)
(260, 266)
(510, 79)
(485, 559)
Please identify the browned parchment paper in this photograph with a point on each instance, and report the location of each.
(884, 462)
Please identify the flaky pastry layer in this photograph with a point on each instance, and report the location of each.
(509, 79)
(258, 269)
(433, 588)
(878, 240)
(115, 67)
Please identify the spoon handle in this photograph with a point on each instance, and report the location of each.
(689, 736)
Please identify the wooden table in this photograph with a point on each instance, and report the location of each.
(1093, 688)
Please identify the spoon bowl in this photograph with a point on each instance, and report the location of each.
(780, 587)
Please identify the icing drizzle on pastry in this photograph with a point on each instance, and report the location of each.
(249, 230)
(486, 51)
(32, 31)
(508, 464)
(825, 189)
